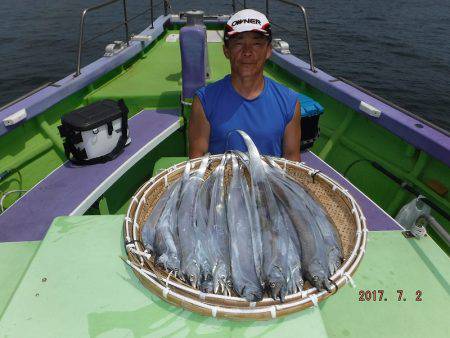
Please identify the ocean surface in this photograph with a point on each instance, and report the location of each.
(398, 49)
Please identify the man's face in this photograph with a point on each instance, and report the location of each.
(247, 53)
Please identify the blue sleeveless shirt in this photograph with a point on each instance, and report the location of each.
(264, 118)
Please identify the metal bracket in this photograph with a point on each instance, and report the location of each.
(114, 48)
(281, 46)
(369, 109)
(142, 38)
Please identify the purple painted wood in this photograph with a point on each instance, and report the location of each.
(426, 138)
(64, 189)
(377, 219)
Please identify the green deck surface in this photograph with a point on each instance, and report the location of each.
(155, 79)
(15, 259)
(76, 286)
(348, 140)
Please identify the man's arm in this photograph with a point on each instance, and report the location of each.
(199, 130)
(291, 138)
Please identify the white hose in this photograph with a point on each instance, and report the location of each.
(9, 193)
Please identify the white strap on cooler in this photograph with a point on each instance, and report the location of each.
(252, 304)
(166, 292)
(134, 199)
(202, 295)
(214, 311)
(304, 293)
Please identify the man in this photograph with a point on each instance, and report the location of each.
(266, 110)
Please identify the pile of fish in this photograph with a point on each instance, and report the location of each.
(256, 236)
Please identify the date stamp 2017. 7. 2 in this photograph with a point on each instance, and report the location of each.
(380, 296)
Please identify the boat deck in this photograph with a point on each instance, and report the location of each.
(78, 286)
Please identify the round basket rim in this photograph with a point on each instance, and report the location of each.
(215, 303)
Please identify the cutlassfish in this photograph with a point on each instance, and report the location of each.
(217, 240)
(321, 252)
(190, 267)
(245, 279)
(275, 238)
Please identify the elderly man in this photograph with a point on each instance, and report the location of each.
(266, 110)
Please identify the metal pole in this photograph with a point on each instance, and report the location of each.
(166, 7)
(311, 58)
(151, 13)
(80, 41)
(245, 4)
(267, 7)
(233, 4)
(125, 18)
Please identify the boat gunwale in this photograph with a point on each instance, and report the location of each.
(425, 137)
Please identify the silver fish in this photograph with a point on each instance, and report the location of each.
(217, 233)
(201, 219)
(190, 267)
(245, 279)
(166, 233)
(294, 281)
(149, 228)
(314, 249)
(275, 238)
(255, 226)
(330, 235)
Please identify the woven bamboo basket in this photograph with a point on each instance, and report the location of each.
(341, 207)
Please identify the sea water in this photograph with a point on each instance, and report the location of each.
(397, 49)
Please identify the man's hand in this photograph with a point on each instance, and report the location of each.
(291, 138)
(199, 130)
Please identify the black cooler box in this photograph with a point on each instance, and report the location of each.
(96, 133)
(310, 111)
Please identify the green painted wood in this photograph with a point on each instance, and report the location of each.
(77, 286)
(166, 162)
(15, 258)
(394, 263)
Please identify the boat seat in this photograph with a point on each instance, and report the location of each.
(71, 190)
(377, 218)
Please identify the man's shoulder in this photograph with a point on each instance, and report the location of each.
(282, 89)
(213, 87)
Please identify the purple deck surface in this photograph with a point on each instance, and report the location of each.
(377, 219)
(64, 189)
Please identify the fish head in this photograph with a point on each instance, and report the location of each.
(221, 278)
(207, 284)
(318, 276)
(173, 263)
(192, 274)
(252, 294)
(277, 284)
(334, 260)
